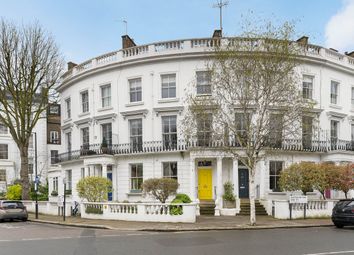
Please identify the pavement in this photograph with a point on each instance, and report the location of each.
(203, 223)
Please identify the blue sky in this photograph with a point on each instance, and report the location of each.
(85, 29)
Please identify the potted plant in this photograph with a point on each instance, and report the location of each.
(229, 200)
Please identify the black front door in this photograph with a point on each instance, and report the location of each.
(243, 183)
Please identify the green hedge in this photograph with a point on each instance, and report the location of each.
(93, 210)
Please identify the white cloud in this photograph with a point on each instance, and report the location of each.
(340, 28)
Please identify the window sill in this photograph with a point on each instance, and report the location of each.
(134, 104)
(105, 109)
(84, 114)
(168, 100)
(134, 194)
(203, 95)
(334, 106)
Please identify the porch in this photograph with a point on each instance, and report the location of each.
(208, 174)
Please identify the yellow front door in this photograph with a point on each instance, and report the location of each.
(205, 184)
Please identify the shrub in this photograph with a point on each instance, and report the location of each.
(2, 195)
(184, 198)
(94, 189)
(160, 188)
(93, 210)
(229, 192)
(176, 209)
(14, 192)
(54, 193)
(42, 192)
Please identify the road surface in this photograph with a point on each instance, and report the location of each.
(37, 239)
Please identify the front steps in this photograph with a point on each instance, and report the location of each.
(246, 208)
(207, 207)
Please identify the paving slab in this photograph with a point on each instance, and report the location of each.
(203, 223)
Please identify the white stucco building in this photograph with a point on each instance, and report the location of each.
(47, 131)
(134, 100)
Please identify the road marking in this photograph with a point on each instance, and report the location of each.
(329, 253)
(74, 237)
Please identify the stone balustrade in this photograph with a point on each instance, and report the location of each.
(188, 46)
(149, 212)
(314, 209)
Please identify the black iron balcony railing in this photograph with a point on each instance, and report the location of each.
(181, 145)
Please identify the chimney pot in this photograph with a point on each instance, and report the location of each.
(127, 42)
(303, 40)
(71, 65)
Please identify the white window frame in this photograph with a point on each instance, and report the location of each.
(276, 174)
(204, 86)
(135, 91)
(85, 137)
(104, 133)
(54, 137)
(68, 141)
(4, 152)
(106, 99)
(136, 140)
(68, 108)
(307, 86)
(85, 105)
(334, 95)
(55, 184)
(168, 165)
(135, 180)
(332, 121)
(3, 176)
(169, 83)
(54, 159)
(168, 136)
(68, 179)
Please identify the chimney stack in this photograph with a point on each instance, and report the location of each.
(71, 65)
(303, 40)
(350, 54)
(217, 33)
(127, 42)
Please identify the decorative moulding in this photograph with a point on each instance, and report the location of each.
(142, 112)
(159, 110)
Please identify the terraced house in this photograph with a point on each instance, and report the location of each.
(121, 115)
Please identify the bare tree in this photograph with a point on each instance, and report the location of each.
(30, 67)
(255, 102)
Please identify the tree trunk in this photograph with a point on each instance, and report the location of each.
(346, 194)
(252, 198)
(24, 173)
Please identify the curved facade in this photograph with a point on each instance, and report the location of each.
(121, 111)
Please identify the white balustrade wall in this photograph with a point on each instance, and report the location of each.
(151, 212)
(314, 209)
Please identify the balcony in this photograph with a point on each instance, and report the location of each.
(181, 145)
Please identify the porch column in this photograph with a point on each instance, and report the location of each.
(219, 187)
(104, 170)
(87, 171)
(114, 183)
(235, 175)
(262, 165)
(192, 178)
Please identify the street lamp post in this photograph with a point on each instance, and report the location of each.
(64, 202)
(36, 181)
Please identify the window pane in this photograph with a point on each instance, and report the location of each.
(3, 151)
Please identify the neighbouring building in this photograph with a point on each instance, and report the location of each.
(121, 113)
(48, 134)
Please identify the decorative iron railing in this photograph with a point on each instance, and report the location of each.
(181, 145)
